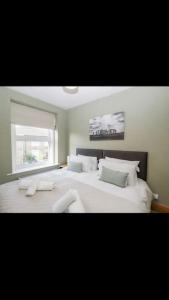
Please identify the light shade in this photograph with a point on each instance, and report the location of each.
(71, 89)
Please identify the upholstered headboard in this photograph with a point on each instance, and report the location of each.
(128, 155)
(131, 155)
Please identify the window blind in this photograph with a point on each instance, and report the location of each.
(28, 116)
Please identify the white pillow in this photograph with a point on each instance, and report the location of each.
(132, 177)
(80, 158)
(123, 161)
(73, 157)
(89, 163)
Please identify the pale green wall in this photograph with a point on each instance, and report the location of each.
(146, 129)
(5, 130)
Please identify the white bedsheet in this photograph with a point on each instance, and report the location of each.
(140, 195)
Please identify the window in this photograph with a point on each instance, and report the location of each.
(32, 147)
(34, 138)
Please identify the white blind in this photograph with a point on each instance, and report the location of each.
(28, 116)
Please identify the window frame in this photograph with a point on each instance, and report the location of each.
(15, 138)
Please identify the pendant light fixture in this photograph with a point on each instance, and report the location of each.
(71, 89)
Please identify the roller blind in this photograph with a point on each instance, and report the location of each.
(28, 116)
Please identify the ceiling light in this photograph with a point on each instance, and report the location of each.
(71, 89)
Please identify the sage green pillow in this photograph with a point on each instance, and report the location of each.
(114, 177)
(75, 166)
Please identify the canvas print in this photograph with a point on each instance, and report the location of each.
(110, 126)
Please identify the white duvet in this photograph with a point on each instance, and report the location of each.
(140, 194)
(137, 198)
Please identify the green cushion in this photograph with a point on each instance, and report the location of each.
(75, 166)
(114, 177)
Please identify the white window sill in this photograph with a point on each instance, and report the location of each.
(32, 169)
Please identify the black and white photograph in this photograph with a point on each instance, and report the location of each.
(110, 126)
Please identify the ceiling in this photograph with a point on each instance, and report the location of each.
(55, 94)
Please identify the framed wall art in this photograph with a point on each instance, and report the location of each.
(107, 127)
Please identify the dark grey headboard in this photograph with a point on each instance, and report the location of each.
(131, 155)
(128, 155)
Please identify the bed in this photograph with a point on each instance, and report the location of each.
(97, 196)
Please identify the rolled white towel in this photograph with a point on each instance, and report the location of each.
(76, 206)
(24, 184)
(62, 204)
(45, 186)
(31, 190)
